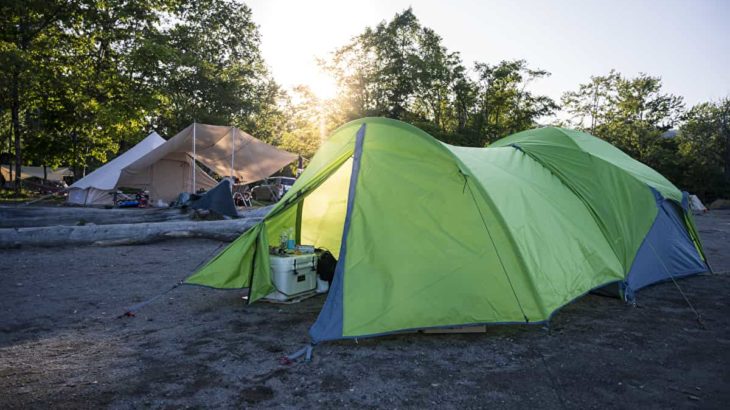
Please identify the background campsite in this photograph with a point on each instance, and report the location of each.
(120, 87)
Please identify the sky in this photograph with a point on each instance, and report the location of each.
(686, 43)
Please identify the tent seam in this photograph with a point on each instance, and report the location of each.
(585, 203)
(503, 224)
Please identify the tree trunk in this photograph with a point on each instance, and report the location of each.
(15, 118)
(725, 134)
(124, 234)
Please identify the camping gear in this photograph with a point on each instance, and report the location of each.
(326, 266)
(431, 235)
(227, 151)
(166, 168)
(218, 200)
(128, 203)
(322, 285)
(122, 200)
(242, 195)
(696, 205)
(292, 276)
(304, 249)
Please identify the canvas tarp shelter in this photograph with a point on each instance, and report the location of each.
(432, 235)
(37, 172)
(97, 187)
(227, 151)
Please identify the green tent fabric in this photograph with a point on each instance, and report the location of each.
(432, 235)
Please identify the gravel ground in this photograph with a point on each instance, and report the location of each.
(62, 345)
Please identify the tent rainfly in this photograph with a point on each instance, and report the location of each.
(432, 235)
(227, 151)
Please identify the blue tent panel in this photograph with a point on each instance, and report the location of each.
(329, 323)
(667, 251)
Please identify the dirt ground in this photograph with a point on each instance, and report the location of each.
(62, 345)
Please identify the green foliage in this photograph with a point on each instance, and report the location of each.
(400, 69)
(84, 79)
(93, 77)
(208, 67)
(634, 114)
(307, 123)
(504, 106)
(703, 149)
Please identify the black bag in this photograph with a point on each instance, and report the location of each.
(326, 266)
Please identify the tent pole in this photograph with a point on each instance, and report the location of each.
(194, 156)
(233, 150)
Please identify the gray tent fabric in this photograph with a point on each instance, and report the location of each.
(218, 200)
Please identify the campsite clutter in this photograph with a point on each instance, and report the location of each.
(429, 235)
(42, 179)
(161, 174)
(164, 169)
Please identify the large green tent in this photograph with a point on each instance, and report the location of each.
(432, 235)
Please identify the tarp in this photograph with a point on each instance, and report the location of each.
(227, 151)
(96, 188)
(432, 235)
(218, 200)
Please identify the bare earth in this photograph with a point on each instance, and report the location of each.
(62, 345)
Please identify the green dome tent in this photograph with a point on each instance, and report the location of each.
(432, 235)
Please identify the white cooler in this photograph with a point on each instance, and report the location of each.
(293, 276)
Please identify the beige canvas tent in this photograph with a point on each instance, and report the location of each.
(166, 170)
(98, 187)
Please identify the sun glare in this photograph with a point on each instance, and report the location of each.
(323, 86)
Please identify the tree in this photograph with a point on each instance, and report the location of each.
(703, 146)
(591, 103)
(209, 68)
(401, 70)
(307, 124)
(26, 27)
(504, 104)
(630, 113)
(87, 78)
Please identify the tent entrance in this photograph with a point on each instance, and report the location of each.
(321, 214)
